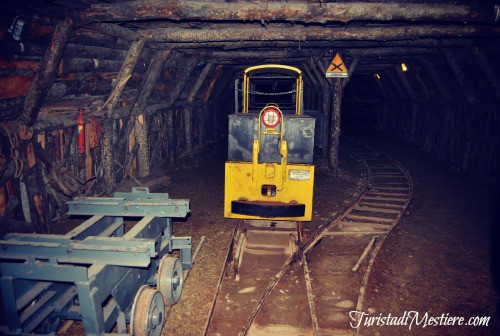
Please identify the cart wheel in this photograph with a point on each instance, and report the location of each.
(170, 279)
(148, 312)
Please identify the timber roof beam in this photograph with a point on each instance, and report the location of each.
(296, 33)
(177, 10)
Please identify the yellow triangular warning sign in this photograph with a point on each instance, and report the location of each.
(337, 68)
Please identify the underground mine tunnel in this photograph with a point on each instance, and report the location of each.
(249, 167)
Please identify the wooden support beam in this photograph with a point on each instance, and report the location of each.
(141, 122)
(225, 91)
(442, 129)
(386, 94)
(389, 96)
(85, 36)
(279, 11)
(39, 213)
(297, 33)
(351, 70)
(123, 76)
(412, 118)
(423, 85)
(440, 85)
(403, 77)
(325, 107)
(189, 109)
(199, 81)
(487, 68)
(333, 153)
(301, 45)
(71, 64)
(468, 91)
(465, 86)
(213, 81)
(51, 124)
(316, 84)
(94, 52)
(114, 30)
(47, 72)
(389, 74)
(107, 153)
(290, 53)
(182, 80)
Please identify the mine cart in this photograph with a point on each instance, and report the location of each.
(103, 273)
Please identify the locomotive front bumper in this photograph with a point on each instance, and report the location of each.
(268, 209)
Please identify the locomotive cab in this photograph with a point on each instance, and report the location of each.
(269, 173)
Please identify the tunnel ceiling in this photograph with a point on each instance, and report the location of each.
(373, 37)
(229, 31)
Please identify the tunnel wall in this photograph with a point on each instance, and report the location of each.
(184, 110)
(464, 134)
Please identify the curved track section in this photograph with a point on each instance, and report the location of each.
(319, 295)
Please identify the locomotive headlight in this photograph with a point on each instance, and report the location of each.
(271, 117)
(299, 175)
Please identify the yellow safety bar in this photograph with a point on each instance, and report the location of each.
(247, 74)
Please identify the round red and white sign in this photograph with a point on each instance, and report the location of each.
(271, 117)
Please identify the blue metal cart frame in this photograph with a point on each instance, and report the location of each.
(92, 273)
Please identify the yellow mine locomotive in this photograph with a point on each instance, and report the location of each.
(269, 171)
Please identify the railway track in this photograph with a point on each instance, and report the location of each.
(276, 282)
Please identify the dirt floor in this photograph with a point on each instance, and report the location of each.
(201, 180)
(435, 261)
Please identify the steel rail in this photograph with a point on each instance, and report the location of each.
(325, 230)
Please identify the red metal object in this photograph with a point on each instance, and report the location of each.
(271, 117)
(81, 132)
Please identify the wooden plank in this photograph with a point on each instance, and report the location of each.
(389, 188)
(14, 86)
(383, 183)
(189, 110)
(303, 12)
(464, 83)
(141, 124)
(315, 33)
(487, 68)
(333, 157)
(385, 198)
(369, 218)
(47, 72)
(347, 233)
(386, 194)
(365, 225)
(110, 105)
(368, 248)
(373, 209)
(382, 204)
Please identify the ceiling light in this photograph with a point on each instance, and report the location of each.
(404, 67)
(376, 75)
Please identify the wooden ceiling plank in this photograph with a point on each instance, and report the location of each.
(284, 11)
(297, 33)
